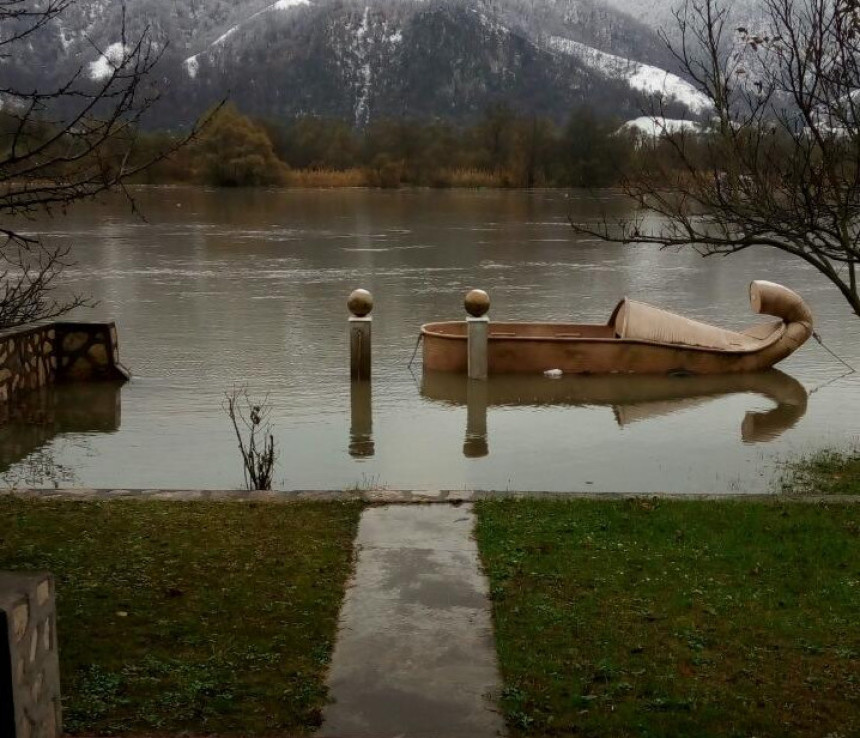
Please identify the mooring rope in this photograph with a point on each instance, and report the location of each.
(828, 382)
(417, 344)
(832, 353)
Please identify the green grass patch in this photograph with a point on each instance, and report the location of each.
(215, 618)
(675, 618)
(824, 473)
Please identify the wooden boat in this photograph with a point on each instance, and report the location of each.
(637, 339)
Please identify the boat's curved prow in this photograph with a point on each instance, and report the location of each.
(769, 298)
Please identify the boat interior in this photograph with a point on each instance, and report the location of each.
(637, 321)
(631, 321)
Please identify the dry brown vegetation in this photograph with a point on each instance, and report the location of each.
(327, 178)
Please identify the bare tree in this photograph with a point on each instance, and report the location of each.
(778, 162)
(253, 430)
(61, 145)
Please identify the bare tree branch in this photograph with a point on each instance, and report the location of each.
(778, 164)
(61, 145)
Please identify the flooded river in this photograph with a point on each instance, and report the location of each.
(216, 288)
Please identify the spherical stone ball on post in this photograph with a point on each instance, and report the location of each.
(360, 303)
(477, 303)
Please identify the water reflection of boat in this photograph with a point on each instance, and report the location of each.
(35, 419)
(637, 339)
(632, 399)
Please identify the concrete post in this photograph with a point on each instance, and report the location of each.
(360, 304)
(476, 444)
(361, 419)
(478, 330)
(359, 348)
(477, 304)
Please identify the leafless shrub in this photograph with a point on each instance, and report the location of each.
(253, 430)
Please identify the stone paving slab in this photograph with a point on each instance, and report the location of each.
(415, 656)
(400, 496)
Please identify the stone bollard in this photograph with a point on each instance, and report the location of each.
(477, 305)
(360, 304)
(29, 664)
(361, 419)
(476, 444)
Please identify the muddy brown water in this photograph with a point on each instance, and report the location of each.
(223, 287)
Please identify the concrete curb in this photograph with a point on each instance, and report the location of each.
(385, 496)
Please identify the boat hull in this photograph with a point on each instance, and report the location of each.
(530, 348)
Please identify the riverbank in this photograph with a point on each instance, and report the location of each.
(828, 473)
(827, 477)
(384, 496)
(363, 177)
(359, 177)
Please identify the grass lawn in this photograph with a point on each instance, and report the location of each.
(676, 618)
(824, 473)
(216, 618)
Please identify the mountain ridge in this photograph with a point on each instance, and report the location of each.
(365, 59)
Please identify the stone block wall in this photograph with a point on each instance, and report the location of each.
(29, 664)
(37, 355)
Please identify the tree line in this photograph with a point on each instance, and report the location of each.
(503, 148)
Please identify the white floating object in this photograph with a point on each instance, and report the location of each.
(553, 373)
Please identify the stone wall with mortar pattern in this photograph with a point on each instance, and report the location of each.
(37, 355)
(29, 663)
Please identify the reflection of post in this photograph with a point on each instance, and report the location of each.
(360, 304)
(476, 444)
(477, 304)
(361, 419)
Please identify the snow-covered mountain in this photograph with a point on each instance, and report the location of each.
(660, 14)
(648, 79)
(363, 59)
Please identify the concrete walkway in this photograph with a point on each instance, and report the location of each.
(415, 656)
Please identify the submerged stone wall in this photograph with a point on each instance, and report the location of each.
(31, 421)
(29, 663)
(37, 355)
